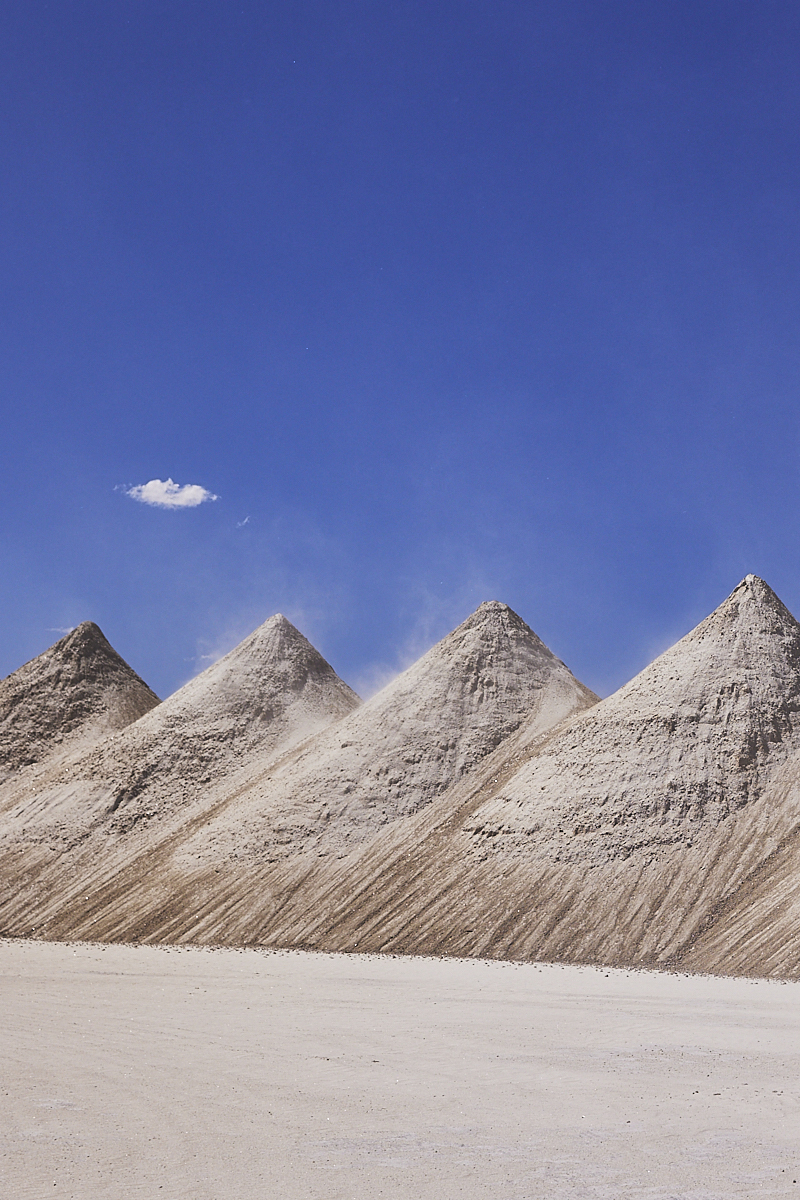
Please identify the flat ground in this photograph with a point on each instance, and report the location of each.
(211, 1074)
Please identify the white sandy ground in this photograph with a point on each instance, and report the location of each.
(174, 1072)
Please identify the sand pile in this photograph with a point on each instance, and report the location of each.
(377, 765)
(75, 693)
(390, 758)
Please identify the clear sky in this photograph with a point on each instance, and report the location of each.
(444, 301)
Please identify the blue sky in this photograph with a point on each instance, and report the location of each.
(444, 301)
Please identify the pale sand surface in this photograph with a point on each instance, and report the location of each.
(173, 1072)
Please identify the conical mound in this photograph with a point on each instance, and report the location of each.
(618, 839)
(75, 692)
(426, 730)
(272, 680)
(271, 691)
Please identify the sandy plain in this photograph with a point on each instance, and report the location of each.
(148, 1072)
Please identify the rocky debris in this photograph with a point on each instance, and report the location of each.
(73, 694)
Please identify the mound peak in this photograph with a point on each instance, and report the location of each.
(78, 690)
(493, 646)
(487, 607)
(256, 680)
(751, 602)
(87, 636)
(494, 624)
(750, 643)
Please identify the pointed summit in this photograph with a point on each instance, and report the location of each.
(751, 611)
(492, 639)
(757, 591)
(78, 690)
(258, 680)
(480, 682)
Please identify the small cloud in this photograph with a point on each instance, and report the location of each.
(241, 524)
(60, 628)
(163, 493)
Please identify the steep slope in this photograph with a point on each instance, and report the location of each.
(72, 695)
(756, 929)
(378, 765)
(633, 834)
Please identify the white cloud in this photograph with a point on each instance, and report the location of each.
(163, 493)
